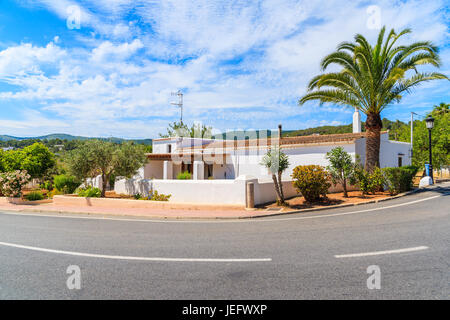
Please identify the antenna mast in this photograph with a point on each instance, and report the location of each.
(179, 103)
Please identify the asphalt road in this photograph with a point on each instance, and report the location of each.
(298, 256)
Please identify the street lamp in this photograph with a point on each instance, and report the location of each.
(430, 124)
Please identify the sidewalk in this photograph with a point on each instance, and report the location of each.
(138, 212)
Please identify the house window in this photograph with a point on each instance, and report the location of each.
(169, 148)
(400, 161)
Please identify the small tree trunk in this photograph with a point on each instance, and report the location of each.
(344, 186)
(373, 128)
(277, 190)
(105, 178)
(280, 185)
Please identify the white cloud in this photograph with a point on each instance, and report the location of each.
(240, 63)
(26, 58)
(107, 51)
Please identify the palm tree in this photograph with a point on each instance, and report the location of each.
(277, 162)
(441, 109)
(373, 78)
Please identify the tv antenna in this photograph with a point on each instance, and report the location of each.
(179, 103)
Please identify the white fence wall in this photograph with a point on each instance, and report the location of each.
(188, 191)
(229, 192)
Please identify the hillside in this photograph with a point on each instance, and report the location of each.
(393, 126)
(68, 137)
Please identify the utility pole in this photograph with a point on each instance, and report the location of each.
(179, 103)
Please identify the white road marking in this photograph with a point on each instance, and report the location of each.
(376, 253)
(260, 219)
(102, 256)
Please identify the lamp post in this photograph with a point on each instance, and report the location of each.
(430, 124)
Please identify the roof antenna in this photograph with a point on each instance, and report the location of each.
(179, 103)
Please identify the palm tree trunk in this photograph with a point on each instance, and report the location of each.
(277, 190)
(280, 185)
(373, 128)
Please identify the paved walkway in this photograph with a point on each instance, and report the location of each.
(137, 212)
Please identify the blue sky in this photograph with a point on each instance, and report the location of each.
(241, 64)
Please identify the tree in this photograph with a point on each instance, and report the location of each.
(373, 78)
(277, 162)
(37, 160)
(341, 168)
(440, 138)
(180, 129)
(97, 157)
(441, 109)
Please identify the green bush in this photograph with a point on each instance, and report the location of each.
(370, 182)
(159, 196)
(400, 179)
(53, 193)
(34, 196)
(184, 176)
(66, 183)
(311, 181)
(46, 185)
(89, 192)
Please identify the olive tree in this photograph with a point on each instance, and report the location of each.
(98, 157)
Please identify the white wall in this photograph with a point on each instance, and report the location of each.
(188, 191)
(391, 150)
(250, 164)
(231, 192)
(154, 169)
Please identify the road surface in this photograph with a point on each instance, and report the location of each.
(316, 255)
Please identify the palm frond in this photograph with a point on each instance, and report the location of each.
(333, 96)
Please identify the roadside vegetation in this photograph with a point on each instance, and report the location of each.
(96, 157)
(313, 182)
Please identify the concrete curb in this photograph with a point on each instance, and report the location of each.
(339, 205)
(352, 204)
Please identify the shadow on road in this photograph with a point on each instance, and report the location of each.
(440, 189)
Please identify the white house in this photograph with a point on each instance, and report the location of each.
(220, 169)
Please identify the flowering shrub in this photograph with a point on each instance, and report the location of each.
(311, 181)
(11, 183)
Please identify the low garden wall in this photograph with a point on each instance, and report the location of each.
(20, 201)
(70, 200)
(214, 192)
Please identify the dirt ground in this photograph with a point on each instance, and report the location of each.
(113, 195)
(332, 199)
